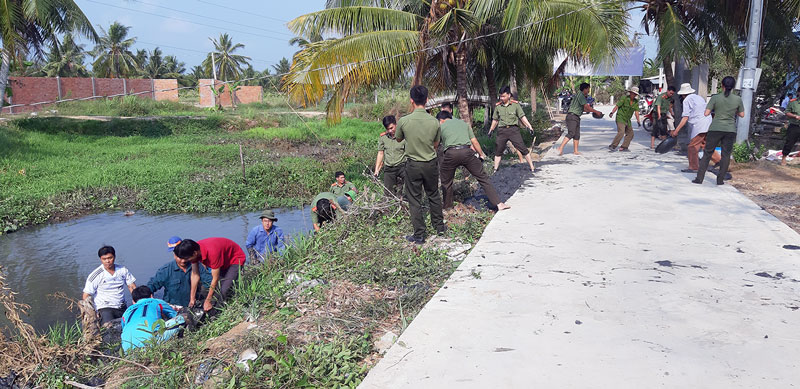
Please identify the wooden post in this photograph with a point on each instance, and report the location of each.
(241, 159)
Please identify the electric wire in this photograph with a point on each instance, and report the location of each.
(345, 65)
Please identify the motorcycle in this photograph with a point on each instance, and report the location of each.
(565, 97)
(647, 111)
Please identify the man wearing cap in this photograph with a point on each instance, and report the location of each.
(176, 278)
(507, 115)
(662, 107)
(793, 132)
(265, 239)
(626, 107)
(341, 185)
(223, 256)
(457, 142)
(391, 157)
(694, 106)
(324, 208)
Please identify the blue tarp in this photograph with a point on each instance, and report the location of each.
(627, 62)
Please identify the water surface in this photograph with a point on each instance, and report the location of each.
(43, 260)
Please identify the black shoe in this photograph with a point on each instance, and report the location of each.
(414, 240)
(696, 181)
(728, 176)
(441, 232)
(688, 171)
(720, 183)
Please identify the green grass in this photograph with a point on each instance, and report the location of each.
(61, 167)
(127, 106)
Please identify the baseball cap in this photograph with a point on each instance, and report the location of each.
(172, 242)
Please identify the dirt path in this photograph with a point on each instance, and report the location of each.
(773, 187)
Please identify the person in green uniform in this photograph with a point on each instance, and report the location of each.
(422, 135)
(793, 132)
(726, 106)
(507, 116)
(457, 143)
(324, 208)
(662, 105)
(577, 107)
(392, 158)
(626, 107)
(341, 185)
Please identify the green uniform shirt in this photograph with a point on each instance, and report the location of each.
(508, 115)
(394, 152)
(339, 190)
(625, 110)
(794, 107)
(324, 195)
(456, 132)
(577, 104)
(663, 101)
(420, 131)
(725, 110)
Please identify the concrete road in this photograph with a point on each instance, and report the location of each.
(612, 270)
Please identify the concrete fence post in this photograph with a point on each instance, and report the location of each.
(153, 87)
(58, 85)
(124, 86)
(94, 90)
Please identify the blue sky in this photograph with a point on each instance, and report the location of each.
(182, 27)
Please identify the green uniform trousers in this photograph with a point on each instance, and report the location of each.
(453, 158)
(424, 176)
(393, 177)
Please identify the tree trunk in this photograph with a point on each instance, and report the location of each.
(461, 85)
(533, 98)
(491, 85)
(668, 74)
(512, 83)
(4, 70)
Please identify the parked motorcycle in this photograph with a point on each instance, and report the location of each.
(565, 97)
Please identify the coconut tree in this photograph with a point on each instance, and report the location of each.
(383, 40)
(65, 60)
(229, 66)
(154, 68)
(113, 56)
(27, 26)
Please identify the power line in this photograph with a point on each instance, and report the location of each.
(212, 18)
(243, 11)
(200, 51)
(187, 21)
(530, 24)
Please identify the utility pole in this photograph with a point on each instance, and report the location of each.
(749, 69)
(213, 62)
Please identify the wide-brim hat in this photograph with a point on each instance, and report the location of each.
(634, 90)
(686, 89)
(268, 214)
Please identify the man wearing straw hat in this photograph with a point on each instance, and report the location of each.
(693, 114)
(626, 107)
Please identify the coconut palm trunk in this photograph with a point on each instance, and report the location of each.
(533, 97)
(491, 85)
(4, 71)
(461, 86)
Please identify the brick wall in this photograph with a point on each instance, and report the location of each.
(244, 95)
(26, 90)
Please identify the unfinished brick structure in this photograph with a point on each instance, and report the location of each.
(28, 90)
(244, 95)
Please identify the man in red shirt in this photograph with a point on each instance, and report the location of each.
(222, 256)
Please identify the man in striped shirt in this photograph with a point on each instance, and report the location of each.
(105, 286)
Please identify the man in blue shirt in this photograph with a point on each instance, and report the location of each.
(138, 320)
(266, 239)
(175, 278)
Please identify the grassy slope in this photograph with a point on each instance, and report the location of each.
(62, 167)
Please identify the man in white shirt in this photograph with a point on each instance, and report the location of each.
(693, 113)
(105, 285)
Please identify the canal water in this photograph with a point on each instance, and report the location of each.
(42, 260)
